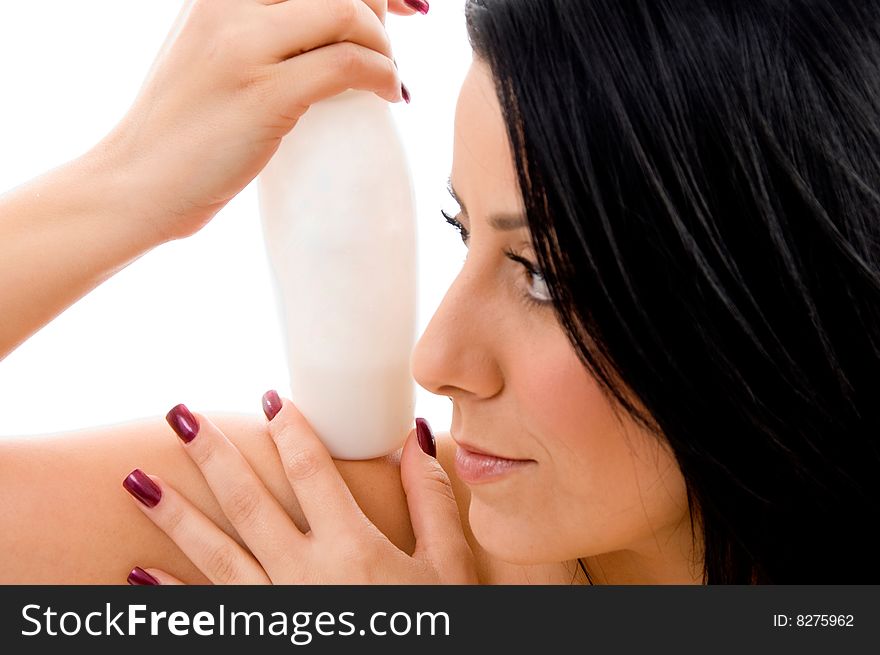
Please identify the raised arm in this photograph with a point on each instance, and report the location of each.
(61, 235)
(211, 113)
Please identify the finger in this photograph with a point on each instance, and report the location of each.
(325, 499)
(328, 71)
(433, 511)
(149, 577)
(269, 532)
(408, 7)
(300, 26)
(379, 7)
(214, 552)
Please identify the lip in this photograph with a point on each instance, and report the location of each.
(476, 467)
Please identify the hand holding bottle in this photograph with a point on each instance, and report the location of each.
(232, 78)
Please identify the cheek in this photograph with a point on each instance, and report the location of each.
(602, 483)
(586, 469)
(617, 486)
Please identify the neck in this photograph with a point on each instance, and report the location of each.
(665, 558)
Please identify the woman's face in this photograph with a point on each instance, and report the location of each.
(594, 483)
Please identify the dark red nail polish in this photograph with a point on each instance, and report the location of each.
(426, 437)
(419, 5)
(404, 92)
(271, 404)
(139, 485)
(183, 423)
(139, 577)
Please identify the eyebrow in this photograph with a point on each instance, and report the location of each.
(503, 222)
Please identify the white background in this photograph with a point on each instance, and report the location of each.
(192, 321)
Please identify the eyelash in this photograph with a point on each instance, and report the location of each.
(453, 221)
(530, 269)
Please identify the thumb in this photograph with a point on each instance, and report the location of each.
(433, 511)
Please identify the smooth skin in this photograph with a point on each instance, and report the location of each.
(598, 486)
(65, 518)
(215, 94)
(595, 484)
(340, 545)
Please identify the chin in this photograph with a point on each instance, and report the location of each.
(510, 537)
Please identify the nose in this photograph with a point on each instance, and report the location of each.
(459, 351)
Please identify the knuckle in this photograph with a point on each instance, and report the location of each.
(303, 463)
(221, 564)
(173, 519)
(392, 77)
(438, 481)
(348, 58)
(345, 13)
(391, 70)
(263, 84)
(203, 452)
(243, 505)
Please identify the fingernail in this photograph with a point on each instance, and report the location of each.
(404, 92)
(426, 437)
(419, 5)
(139, 577)
(183, 423)
(271, 404)
(139, 485)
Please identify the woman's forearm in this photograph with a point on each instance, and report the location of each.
(212, 111)
(61, 235)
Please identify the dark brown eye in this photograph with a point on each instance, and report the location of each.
(542, 297)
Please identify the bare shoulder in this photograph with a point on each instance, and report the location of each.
(65, 518)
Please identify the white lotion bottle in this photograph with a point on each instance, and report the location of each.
(339, 224)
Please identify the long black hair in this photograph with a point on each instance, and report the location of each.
(702, 184)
